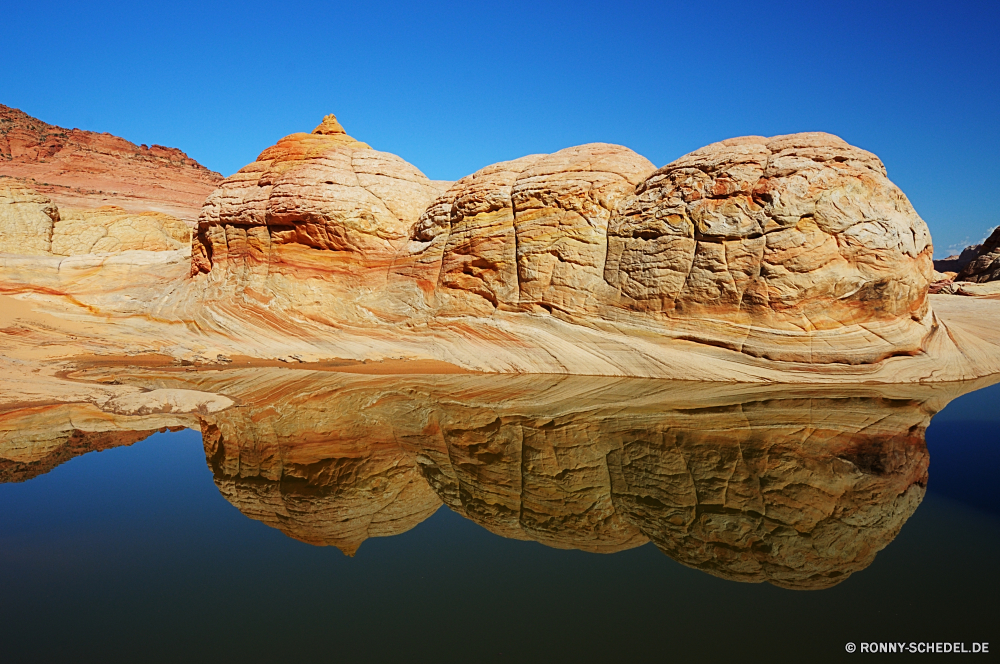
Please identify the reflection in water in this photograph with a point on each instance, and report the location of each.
(799, 487)
(35, 440)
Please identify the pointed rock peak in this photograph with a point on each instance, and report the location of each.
(329, 126)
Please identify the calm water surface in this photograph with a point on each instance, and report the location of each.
(513, 534)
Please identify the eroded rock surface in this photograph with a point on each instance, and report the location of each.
(785, 259)
(800, 241)
(526, 232)
(111, 229)
(32, 225)
(26, 220)
(985, 266)
(317, 217)
(84, 169)
(792, 249)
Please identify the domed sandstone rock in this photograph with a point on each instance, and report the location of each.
(315, 211)
(794, 248)
(523, 233)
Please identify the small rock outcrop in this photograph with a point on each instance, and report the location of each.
(112, 230)
(84, 169)
(32, 225)
(26, 219)
(985, 266)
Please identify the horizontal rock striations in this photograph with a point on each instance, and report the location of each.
(77, 168)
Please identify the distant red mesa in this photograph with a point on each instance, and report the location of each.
(83, 169)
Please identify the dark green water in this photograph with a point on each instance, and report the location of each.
(132, 554)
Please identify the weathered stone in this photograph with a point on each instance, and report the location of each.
(84, 169)
(26, 220)
(986, 264)
(112, 230)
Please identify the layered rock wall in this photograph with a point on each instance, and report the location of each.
(32, 225)
(84, 169)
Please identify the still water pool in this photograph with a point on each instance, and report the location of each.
(337, 522)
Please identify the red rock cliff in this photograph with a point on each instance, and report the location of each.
(79, 168)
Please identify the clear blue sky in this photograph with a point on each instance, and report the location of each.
(452, 87)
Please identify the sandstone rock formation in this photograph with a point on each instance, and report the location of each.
(789, 259)
(985, 266)
(84, 169)
(310, 224)
(31, 225)
(529, 232)
(111, 229)
(794, 249)
(26, 219)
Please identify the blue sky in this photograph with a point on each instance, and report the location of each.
(452, 87)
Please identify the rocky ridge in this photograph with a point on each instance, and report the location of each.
(84, 169)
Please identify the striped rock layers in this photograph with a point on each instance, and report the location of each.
(795, 249)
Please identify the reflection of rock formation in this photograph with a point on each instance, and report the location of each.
(311, 465)
(800, 492)
(798, 488)
(33, 441)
